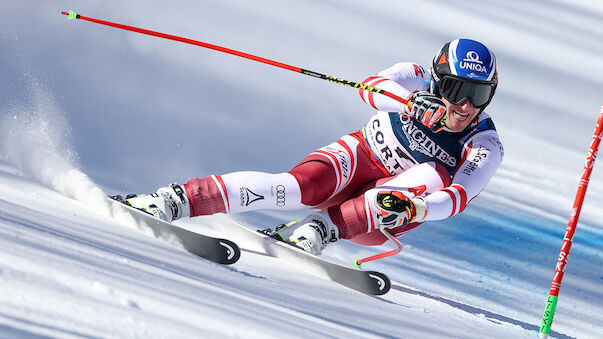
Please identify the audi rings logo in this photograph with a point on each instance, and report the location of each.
(280, 195)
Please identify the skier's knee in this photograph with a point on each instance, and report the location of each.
(316, 180)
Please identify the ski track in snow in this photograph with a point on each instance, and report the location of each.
(77, 123)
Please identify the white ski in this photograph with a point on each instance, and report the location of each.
(369, 282)
(221, 251)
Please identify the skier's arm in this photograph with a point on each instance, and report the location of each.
(402, 79)
(482, 157)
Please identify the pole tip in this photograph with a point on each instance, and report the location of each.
(543, 335)
(71, 14)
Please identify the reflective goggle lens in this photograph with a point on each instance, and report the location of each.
(457, 90)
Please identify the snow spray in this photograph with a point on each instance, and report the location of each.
(36, 139)
(551, 302)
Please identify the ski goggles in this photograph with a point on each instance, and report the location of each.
(457, 91)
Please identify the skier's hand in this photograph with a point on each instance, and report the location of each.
(428, 109)
(394, 209)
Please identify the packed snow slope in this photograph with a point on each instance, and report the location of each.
(68, 271)
(87, 110)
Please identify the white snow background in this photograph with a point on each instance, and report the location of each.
(88, 110)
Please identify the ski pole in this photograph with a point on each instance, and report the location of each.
(551, 302)
(73, 15)
(393, 239)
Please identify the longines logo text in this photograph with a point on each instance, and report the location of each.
(422, 143)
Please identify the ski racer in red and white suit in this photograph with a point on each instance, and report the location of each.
(465, 161)
(394, 151)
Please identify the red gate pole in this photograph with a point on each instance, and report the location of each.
(551, 302)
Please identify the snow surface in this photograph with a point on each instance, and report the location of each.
(87, 110)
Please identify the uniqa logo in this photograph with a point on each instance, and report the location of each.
(472, 62)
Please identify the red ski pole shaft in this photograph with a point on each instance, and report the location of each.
(551, 304)
(73, 15)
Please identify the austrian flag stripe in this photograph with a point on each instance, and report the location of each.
(352, 158)
(373, 82)
(463, 195)
(365, 82)
(370, 219)
(222, 187)
(458, 195)
(371, 94)
(343, 157)
(335, 165)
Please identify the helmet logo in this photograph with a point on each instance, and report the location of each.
(472, 62)
(473, 57)
(442, 59)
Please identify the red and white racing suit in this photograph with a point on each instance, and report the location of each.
(390, 152)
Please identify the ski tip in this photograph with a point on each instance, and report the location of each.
(383, 284)
(233, 252)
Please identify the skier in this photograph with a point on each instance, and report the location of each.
(410, 163)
